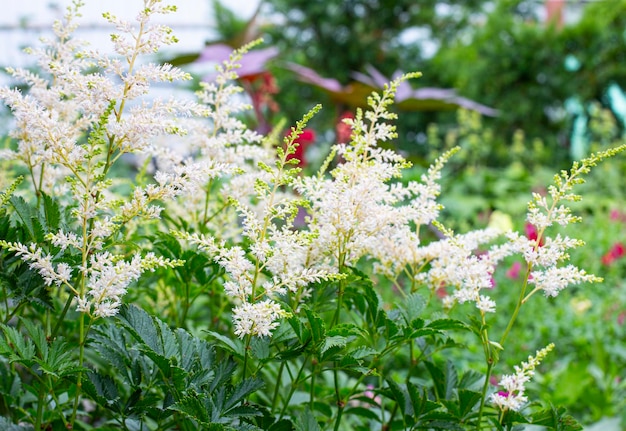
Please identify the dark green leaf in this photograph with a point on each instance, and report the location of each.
(316, 324)
(52, 214)
(363, 412)
(306, 421)
(467, 400)
(447, 324)
(233, 345)
(242, 391)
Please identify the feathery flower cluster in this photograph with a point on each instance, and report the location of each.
(358, 211)
(512, 397)
(453, 262)
(41, 262)
(108, 278)
(82, 114)
(276, 249)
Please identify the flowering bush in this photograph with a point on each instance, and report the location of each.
(222, 288)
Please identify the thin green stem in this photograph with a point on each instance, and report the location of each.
(312, 389)
(518, 306)
(246, 354)
(277, 387)
(294, 385)
(83, 330)
(61, 318)
(340, 402)
(489, 358)
(40, 403)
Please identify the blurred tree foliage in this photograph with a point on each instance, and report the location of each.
(529, 70)
(497, 53)
(339, 37)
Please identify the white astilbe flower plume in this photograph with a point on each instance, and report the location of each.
(513, 397)
(453, 262)
(108, 279)
(41, 262)
(83, 112)
(358, 211)
(544, 255)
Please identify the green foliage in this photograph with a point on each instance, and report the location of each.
(522, 67)
(165, 376)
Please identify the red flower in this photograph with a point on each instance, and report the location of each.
(306, 138)
(532, 233)
(342, 130)
(617, 251)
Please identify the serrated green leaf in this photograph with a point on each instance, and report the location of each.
(186, 349)
(447, 324)
(330, 342)
(557, 419)
(467, 400)
(260, 347)
(102, 389)
(316, 325)
(306, 421)
(195, 407)
(51, 214)
(362, 352)
(24, 213)
(37, 336)
(141, 326)
(18, 348)
(234, 345)
(411, 307)
(242, 391)
(168, 341)
(108, 342)
(444, 379)
(399, 396)
(419, 402)
(58, 360)
(345, 330)
(163, 363)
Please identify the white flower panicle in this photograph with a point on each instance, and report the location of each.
(40, 262)
(257, 319)
(455, 263)
(554, 279)
(80, 116)
(512, 396)
(545, 254)
(108, 279)
(357, 211)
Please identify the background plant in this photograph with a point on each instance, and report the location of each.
(278, 300)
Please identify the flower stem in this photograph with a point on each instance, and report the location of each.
(490, 359)
(522, 298)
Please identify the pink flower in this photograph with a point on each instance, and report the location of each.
(532, 234)
(514, 270)
(616, 215)
(621, 317)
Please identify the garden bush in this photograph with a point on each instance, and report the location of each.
(164, 267)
